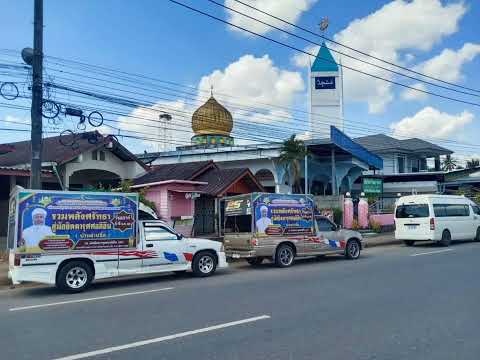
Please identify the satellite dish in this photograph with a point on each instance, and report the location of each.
(324, 24)
(27, 56)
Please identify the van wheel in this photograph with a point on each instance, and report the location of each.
(446, 238)
(255, 261)
(74, 276)
(204, 264)
(352, 250)
(477, 238)
(409, 242)
(284, 256)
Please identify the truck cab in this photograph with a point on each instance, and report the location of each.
(282, 227)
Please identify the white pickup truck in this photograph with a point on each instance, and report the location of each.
(71, 238)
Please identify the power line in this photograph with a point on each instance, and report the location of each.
(353, 49)
(310, 54)
(339, 52)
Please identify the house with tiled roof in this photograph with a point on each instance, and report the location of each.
(410, 165)
(188, 195)
(71, 162)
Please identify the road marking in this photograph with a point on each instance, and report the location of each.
(88, 299)
(163, 338)
(432, 252)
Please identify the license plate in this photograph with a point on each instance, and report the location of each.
(411, 226)
(236, 256)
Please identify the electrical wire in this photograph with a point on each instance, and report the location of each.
(310, 54)
(354, 49)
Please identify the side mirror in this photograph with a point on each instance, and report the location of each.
(179, 236)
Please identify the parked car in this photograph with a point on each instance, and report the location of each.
(282, 227)
(439, 218)
(71, 238)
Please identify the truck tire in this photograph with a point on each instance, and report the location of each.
(284, 256)
(74, 276)
(204, 264)
(409, 242)
(446, 238)
(353, 249)
(255, 261)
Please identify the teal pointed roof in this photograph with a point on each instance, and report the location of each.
(324, 60)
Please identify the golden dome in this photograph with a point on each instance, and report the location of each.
(212, 118)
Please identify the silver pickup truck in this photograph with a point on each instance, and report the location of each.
(282, 227)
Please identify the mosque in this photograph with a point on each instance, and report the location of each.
(335, 161)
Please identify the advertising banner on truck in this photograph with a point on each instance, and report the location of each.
(56, 221)
(283, 215)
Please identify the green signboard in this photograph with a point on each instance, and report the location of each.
(372, 186)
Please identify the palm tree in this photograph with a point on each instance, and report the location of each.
(473, 163)
(292, 153)
(449, 163)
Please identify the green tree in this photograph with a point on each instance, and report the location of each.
(449, 163)
(293, 152)
(473, 163)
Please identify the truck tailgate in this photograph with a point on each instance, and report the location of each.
(238, 241)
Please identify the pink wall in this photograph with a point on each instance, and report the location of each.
(383, 219)
(179, 206)
(170, 203)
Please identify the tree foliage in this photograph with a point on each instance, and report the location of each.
(293, 152)
(449, 163)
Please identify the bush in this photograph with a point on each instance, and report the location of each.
(355, 225)
(338, 216)
(375, 226)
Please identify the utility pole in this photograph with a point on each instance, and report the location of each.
(37, 97)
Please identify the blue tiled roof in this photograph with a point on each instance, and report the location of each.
(324, 60)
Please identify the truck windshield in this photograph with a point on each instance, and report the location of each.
(412, 211)
(238, 224)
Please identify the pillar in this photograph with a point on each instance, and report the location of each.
(437, 163)
(334, 174)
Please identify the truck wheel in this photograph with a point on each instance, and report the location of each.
(352, 250)
(284, 256)
(477, 238)
(74, 276)
(204, 264)
(409, 242)
(255, 261)
(446, 238)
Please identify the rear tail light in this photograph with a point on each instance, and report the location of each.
(432, 224)
(16, 261)
(254, 242)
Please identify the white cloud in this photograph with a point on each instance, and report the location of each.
(434, 123)
(156, 134)
(254, 81)
(289, 10)
(410, 94)
(448, 64)
(242, 84)
(397, 27)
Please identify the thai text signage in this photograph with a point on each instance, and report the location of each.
(238, 206)
(287, 215)
(55, 221)
(372, 186)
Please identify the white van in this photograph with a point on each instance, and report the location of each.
(439, 218)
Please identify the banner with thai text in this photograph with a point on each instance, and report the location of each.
(283, 215)
(60, 221)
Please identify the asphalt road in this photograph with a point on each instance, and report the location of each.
(392, 303)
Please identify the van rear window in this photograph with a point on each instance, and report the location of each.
(412, 211)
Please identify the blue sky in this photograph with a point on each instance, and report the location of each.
(164, 41)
